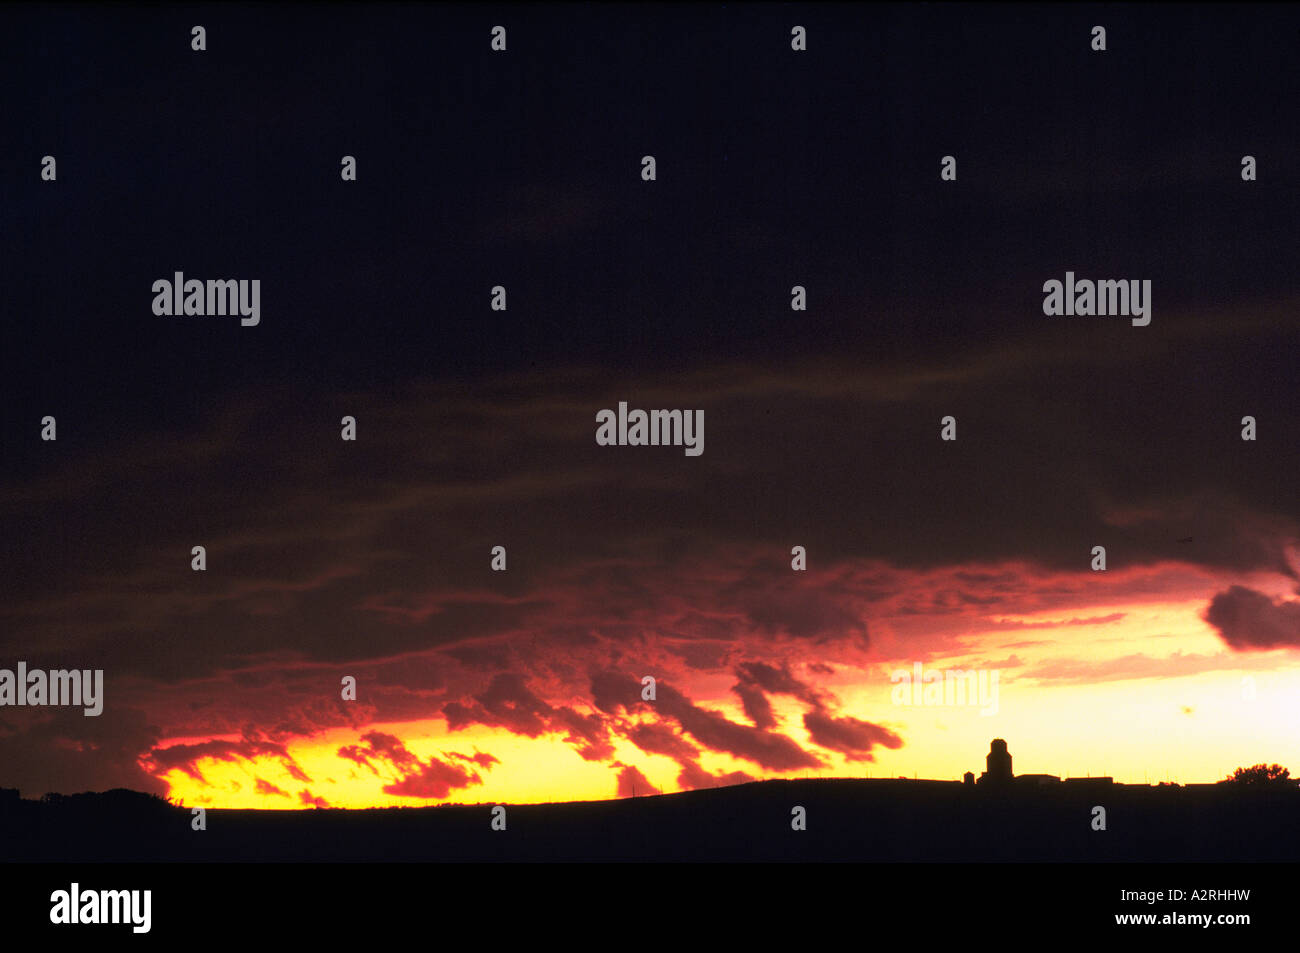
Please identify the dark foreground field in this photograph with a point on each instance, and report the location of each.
(847, 820)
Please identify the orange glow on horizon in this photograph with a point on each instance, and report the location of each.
(1149, 697)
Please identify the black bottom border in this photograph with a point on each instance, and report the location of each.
(658, 903)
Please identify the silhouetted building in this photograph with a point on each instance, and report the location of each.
(1037, 780)
(1089, 782)
(998, 764)
(968, 779)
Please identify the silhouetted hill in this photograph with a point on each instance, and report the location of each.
(847, 820)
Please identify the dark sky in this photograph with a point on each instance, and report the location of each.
(522, 168)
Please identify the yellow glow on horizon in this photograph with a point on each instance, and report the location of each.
(1189, 725)
(1186, 715)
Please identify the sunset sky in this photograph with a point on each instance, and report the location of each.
(476, 428)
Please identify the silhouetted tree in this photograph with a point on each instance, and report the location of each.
(1260, 775)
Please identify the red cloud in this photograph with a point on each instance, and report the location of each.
(632, 783)
(306, 797)
(850, 736)
(1249, 621)
(432, 778)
